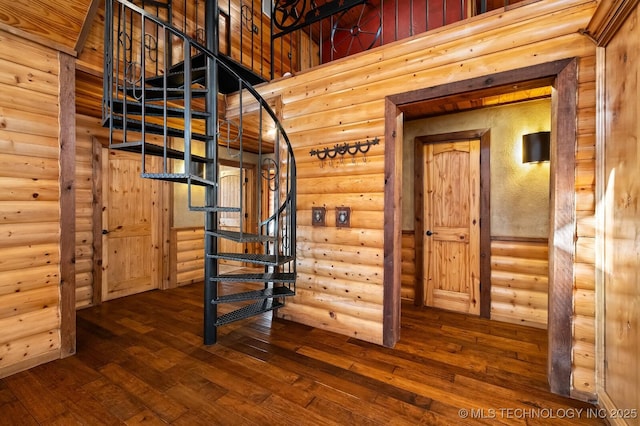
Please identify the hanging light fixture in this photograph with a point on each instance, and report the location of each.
(535, 147)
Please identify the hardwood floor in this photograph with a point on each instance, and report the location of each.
(140, 360)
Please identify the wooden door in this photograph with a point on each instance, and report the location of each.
(451, 252)
(132, 227)
(230, 181)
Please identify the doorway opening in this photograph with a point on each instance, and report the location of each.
(562, 77)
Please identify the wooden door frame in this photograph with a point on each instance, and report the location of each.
(484, 135)
(562, 75)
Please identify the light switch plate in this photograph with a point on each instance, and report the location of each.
(343, 217)
(318, 216)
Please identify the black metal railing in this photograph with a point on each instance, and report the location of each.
(275, 37)
(161, 100)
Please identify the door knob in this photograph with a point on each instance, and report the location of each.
(429, 233)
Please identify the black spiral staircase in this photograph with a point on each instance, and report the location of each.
(164, 97)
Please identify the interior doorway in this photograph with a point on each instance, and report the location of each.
(236, 190)
(448, 214)
(562, 76)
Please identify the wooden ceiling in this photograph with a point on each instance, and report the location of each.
(530, 90)
(58, 23)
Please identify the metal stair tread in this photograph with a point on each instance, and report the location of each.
(185, 178)
(214, 209)
(225, 77)
(158, 93)
(278, 277)
(265, 293)
(155, 129)
(135, 108)
(241, 237)
(175, 78)
(260, 259)
(248, 311)
(156, 150)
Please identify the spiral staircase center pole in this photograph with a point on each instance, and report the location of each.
(211, 218)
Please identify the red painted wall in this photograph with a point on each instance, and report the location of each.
(413, 17)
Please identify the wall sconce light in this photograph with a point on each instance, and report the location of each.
(536, 147)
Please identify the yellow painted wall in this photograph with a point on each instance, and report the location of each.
(519, 192)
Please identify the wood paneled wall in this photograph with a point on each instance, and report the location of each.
(618, 283)
(519, 282)
(408, 265)
(584, 294)
(85, 211)
(30, 272)
(187, 256)
(340, 270)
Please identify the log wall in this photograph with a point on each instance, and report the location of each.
(30, 277)
(519, 281)
(340, 270)
(187, 256)
(408, 291)
(84, 212)
(584, 295)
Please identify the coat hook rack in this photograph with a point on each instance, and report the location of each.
(342, 149)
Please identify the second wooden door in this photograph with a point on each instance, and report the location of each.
(452, 226)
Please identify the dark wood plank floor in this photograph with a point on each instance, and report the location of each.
(140, 360)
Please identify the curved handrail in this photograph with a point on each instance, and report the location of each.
(208, 52)
(190, 45)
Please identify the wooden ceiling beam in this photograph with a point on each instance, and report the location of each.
(86, 25)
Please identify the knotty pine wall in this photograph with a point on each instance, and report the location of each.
(30, 203)
(408, 265)
(619, 142)
(85, 210)
(187, 256)
(340, 273)
(584, 295)
(520, 281)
